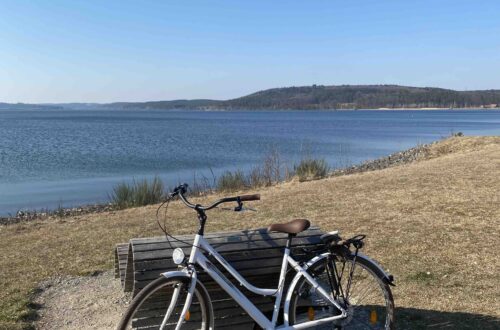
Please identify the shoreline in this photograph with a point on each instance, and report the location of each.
(306, 110)
(253, 109)
(310, 109)
(402, 157)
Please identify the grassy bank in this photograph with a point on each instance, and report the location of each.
(272, 171)
(433, 223)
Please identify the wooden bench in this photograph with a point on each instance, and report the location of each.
(256, 254)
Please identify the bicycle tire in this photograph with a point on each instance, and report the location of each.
(131, 319)
(368, 316)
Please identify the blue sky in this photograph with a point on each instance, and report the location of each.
(103, 51)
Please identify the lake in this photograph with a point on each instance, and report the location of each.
(72, 157)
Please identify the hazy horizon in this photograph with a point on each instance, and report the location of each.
(121, 51)
(178, 99)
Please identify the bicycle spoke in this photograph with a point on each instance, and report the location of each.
(364, 324)
(366, 297)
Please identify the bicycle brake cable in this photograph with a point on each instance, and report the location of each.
(164, 227)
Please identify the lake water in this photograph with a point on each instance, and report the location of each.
(72, 157)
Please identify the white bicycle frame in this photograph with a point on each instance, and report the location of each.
(197, 257)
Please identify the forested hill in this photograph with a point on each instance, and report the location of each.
(312, 97)
(364, 97)
(24, 106)
(339, 97)
(175, 104)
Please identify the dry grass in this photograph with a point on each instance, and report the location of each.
(439, 216)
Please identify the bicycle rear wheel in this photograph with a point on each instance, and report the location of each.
(369, 302)
(159, 306)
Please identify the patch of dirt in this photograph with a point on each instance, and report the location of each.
(83, 302)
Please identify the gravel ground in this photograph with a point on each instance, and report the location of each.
(408, 156)
(92, 302)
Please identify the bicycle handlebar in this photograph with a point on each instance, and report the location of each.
(182, 189)
(247, 198)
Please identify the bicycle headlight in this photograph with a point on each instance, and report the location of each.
(178, 256)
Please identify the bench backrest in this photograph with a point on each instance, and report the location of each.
(256, 254)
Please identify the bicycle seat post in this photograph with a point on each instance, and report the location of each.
(289, 241)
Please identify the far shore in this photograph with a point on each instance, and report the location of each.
(441, 109)
(327, 109)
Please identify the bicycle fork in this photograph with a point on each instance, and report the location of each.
(187, 303)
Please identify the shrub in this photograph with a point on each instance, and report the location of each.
(146, 192)
(231, 181)
(272, 167)
(122, 195)
(139, 193)
(202, 185)
(272, 170)
(311, 169)
(256, 178)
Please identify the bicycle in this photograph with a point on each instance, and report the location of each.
(339, 287)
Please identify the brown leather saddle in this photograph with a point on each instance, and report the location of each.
(293, 227)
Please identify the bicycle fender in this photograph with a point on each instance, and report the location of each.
(187, 276)
(389, 279)
(176, 273)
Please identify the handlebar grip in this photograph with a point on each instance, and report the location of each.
(182, 188)
(246, 198)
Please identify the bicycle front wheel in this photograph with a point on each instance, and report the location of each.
(368, 300)
(159, 306)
